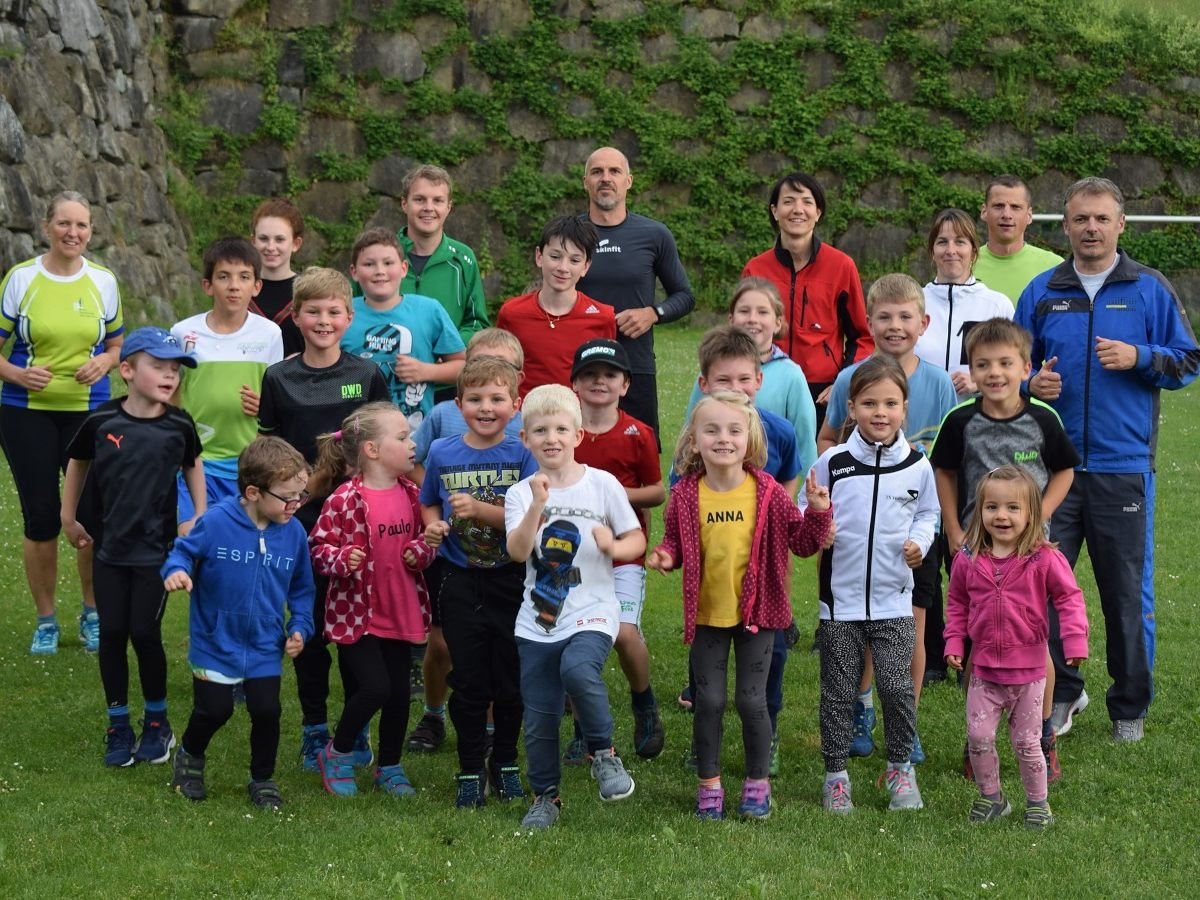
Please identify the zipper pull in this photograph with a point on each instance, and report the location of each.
(262, 543)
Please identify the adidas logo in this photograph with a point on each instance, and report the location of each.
(632, 429)
(591, 310)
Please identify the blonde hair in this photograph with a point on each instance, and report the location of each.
(487, 369)
(895, 288)
(319, 283)
(496, 339)
(66, 197)
(266, 461)
(550, 400)
(767, 289)
(338, 452)
(1032, 537)
(687, 461)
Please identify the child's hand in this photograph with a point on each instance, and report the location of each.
(1076, 661)
(77, 535)
(410, 558)
(830, 537)
(355, 559)
(539, 486)
(913, 557)
(462, 505)
(249, 401)
(178, 581)
(963, 382)
(294, 645)
(436, 532)
(954, 662)
(409, 369)
(660, 561)
(604, 539)
(816, 494)
(186, 526)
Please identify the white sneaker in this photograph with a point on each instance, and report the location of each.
(1062, 713)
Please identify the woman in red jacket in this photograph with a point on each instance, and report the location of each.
(822, 293)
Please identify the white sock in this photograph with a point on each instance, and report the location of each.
(867, 699)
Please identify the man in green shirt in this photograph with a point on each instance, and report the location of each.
(1006, 263)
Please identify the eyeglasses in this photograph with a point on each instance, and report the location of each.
(289, 502)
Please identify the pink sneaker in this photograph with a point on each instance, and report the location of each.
(710, 803)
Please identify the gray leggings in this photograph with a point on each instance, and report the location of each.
(710, 662)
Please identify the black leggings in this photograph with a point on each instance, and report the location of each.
(313, 664)
(710, 660)
(380, 667)
(35, 442)
(131, 602)
(212, 707)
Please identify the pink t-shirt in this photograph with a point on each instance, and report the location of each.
(396, 611)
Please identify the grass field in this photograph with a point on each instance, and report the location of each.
(1126, 815)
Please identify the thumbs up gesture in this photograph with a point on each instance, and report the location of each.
(1046, 384)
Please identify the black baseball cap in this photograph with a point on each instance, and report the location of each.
(600, 350)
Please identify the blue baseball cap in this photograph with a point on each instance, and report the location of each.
(158, 343)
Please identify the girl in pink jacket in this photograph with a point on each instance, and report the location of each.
(997, 597)
(730, 525)
(370, 541)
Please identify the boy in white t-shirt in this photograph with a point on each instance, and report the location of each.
(232, 350)
(570, 522)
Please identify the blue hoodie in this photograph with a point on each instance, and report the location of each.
(242, 577)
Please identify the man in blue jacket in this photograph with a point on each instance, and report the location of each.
(1110, 334)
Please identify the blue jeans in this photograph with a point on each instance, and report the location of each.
(548, 671)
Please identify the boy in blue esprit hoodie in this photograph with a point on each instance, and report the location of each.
(243, 562)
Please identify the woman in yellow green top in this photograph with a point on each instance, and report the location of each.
(64, 316)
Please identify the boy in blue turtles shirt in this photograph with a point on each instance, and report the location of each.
(246, 559)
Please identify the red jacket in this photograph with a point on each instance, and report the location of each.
(824, 307)
(1007, 622)
(779, 526)
(342, 527)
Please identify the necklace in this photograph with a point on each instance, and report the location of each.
(551, 320)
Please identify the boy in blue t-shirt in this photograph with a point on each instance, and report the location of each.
(408, 336)
(466, 479)
(133, 448)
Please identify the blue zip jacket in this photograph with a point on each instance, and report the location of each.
(1111, 416)
(242, 577)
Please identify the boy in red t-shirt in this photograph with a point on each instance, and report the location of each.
(555, 319)
(619, 444)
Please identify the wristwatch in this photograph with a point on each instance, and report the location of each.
(660, 312)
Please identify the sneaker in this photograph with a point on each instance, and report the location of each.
(337, 771)
(902, 785)
(505, 782)
(471, 790)
(1037, 816)
(710, 803)
(428, 735)
(120, 741)
(89, 631)
(756, 800)
(576, 752)
(773, 763)
(918, 752)
(968, 769)
(648, 736)
(45, 640)
(608, 770)
(312, 741)
(984, 810)
(1128, 731)
(156, 742)
(265, 794)
(363, 756)
(545, 810)
(685, 700)
(394, 780)
(1050, 751)
(188, 775)
(1063, 713)
(835, 796)
(689, 761)
(861, 742)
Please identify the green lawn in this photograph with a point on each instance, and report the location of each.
(1126, 815)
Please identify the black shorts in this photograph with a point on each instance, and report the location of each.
(35, 442)
(927, 579)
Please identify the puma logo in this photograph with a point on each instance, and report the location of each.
(116, 439)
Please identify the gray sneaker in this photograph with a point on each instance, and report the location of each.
(1062, 713)
(607, 769)
(835, 797)
(1128, 731)
(985, 810)
(902, 785)
(545, 810)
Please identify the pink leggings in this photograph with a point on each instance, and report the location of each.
(986, 700)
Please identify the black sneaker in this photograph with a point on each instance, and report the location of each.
(265, 794)
(428, 735)
(470, 790)
(505, 782)
(189, 775)
(648, 737)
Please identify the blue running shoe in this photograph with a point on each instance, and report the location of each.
(363, 756)
(576, 752)
(314, 739)
(156, 742)
(756, 800)
(861, 742)
(119, 739)
(394, 780)
(918, 752)
(337, 771)
(45, 640)
(89, 631)
(470, 790)
(506, 782)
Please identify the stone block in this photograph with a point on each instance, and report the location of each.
(263, 182)
(770, 164)
(1186, 180)
(16, 206)
(430, 31)
(264, 155)
(617, 10)
(820, 68)
(221, 9)
(396, 55)
(497, 18)
(675, 97)
(193, 34)
(231, 106)
(288, 15)
(558, 157)
(290, 69)
(882, 241)
(78, 23)
(446, 127)
(387, 174)
(580, 107)
(660, 48)
(329, 201)
(748, 97)
(1049, 189)
(527, 125)
(1135, 173)
(388, 214)
(710, 24)
(580, 40)
(1108, 128)
(238, 65)
(887, 193)
(573, 10)
(1002, 140)
(12, 135)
